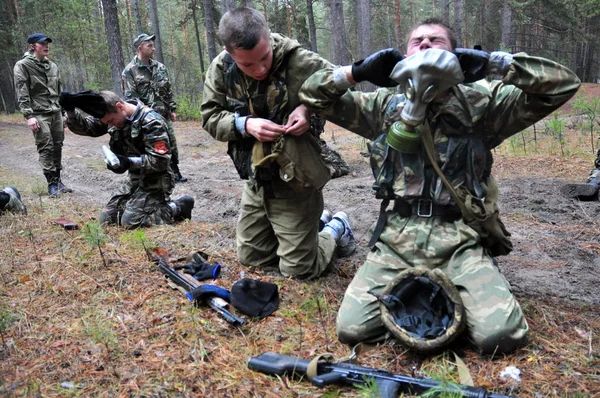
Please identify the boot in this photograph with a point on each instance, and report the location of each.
(339, 228)
(52, 179)
(183, 208)
(15, 204)
(178, 176)
(580, 191)
(325, 218)
(61, 187)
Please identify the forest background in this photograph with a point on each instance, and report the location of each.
(92, 40)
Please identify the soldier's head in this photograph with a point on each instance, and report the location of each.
(39, 45)
(431, 33)
(246, 37)
(144, 45)
(117, 110)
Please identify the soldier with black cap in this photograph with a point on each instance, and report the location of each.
(139, 140)
(38, 84)
(146, 79)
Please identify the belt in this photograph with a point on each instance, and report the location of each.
(426, 208)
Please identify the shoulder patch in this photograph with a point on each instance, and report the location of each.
(160, 147)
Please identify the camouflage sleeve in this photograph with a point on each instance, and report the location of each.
(87, 126)
(361, 113)
(531, 89)
(218, 117)
(156, 144)
(169, 97)
(301, 65)
(128, 85)
(22, 90)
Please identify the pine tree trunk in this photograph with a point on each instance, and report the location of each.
(209, 28)
(158, 55)
(113, 37)
(312, 28)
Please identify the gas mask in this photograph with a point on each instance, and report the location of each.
(422, 77)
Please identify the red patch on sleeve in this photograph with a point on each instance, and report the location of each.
(160, 147)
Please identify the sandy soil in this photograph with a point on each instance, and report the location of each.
(555, 239)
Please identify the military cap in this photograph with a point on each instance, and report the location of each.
(142, 38)
(38, 38)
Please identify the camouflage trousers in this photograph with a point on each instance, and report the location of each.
(495, 322)
(172, 141)
(49, 141)
(334, 161)
(135, 207)
(283, 230)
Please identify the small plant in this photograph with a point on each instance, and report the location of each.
(40, 189)
(139, 239)
(94, 234)
(6, 318)
(591, 109)
(556, 127)
(369, 389)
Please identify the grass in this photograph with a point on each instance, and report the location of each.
(82, 320)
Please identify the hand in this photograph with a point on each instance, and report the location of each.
(298, 121)
(376, 68)
(66, 101)
(33, 124)
(473, 63)
(123, 166)
(264, 130)
(173, 116)
(200, 270)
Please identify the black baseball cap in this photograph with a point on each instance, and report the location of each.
(38, 38)
(142, 38)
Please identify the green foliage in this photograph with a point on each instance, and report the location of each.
(188, 109)
(6, 318)
(368, 390)
(138, 239)
(100, 331)
(93, 233)
(591, 109)
(556, 127)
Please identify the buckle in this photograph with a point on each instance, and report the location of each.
(425, 208)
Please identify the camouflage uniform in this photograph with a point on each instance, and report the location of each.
(38, 84)
(151, 85)
(142, 201)
(466, 125)
(276, 224)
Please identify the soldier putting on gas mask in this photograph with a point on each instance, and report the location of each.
(140, 144)
(432, 160)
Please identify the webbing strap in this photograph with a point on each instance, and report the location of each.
(380, 223)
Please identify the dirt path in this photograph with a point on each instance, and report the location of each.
(555, 239)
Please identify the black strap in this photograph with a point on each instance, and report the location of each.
(380, 223)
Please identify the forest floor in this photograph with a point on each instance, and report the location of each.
(74, 325)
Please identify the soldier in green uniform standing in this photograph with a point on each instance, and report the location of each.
(37, 85)
(139, 139)
(425, 228)
(146, 79)
(251, 101)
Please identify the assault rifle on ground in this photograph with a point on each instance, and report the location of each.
(390, 385)
(214, 296)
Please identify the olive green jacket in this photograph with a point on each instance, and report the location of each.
(37, 85)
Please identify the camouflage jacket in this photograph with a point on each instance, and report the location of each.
(228, 92)
(144, 135)
(37, 84)
(150, 84)
(466, 124)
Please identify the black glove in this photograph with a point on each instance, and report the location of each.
(123, 166)
(65, 100)
(473, 63)
(377, 67)
(200, 270)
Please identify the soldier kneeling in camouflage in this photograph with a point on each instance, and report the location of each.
(587, 191)
(458, 117)
(139, 139)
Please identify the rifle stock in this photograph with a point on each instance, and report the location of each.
(390, 385)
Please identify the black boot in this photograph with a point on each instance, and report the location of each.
(183, 208)
(178, 176)
(52, 179)
(580, 191)
(61, 187)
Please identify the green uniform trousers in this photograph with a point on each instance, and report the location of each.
(172, 141)
(49, 141)
(284, 230)
(135, 207)
(495, 322)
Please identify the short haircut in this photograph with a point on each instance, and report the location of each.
(438, 22)
(242, 28)
(111, 100)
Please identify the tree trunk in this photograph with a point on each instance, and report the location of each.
(458, 21)
(364, 37)
(194, 6)
(446, 12)
(158, 55)
(506, 27)
(227, 5)
(113, 37)
(398, 24)
(312, 28)
(340, 54)
(209, 28)
(275, 26)
(136, 15)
